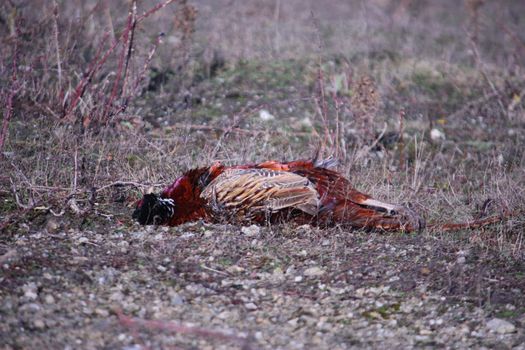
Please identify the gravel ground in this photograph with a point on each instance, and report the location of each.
(209, 286)
(91, 283)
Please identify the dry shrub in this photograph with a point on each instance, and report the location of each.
(365, 103)
(68, 75)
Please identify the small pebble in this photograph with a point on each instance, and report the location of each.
(314, 271)
(500, 326)
(102, 312)
(251, 231)
(39, 324)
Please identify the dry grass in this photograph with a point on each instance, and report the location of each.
(98, 96)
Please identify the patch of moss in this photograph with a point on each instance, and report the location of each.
(132, 160)
(225, 261)
(7, 205)
(509, 313)
(384, 311)
(274, 75)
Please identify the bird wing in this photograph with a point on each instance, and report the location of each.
(248, 192)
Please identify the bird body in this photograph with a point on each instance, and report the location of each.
(300, 191)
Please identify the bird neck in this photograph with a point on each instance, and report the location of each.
(185, 192)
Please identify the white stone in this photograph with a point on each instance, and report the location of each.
(251, 231)
(437, 135)
(500, 326)
(265, 115)
(39, 324)
(314, 271)
(82, 240)
(306, 122)
(30, 291)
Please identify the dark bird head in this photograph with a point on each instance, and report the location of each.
(153, 210)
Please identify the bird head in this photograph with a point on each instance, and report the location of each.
(153, 210)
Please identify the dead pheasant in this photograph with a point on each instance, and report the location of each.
(299, 191)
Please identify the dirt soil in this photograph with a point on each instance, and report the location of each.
(212, 286)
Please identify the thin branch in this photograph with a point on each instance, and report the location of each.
(127, 183)
(486, 76)
(142, 74)
(130, 44)
(97, 63)
(57, 46)
(236, 121)
(240, 130)
(123, 61)
(214, 270)
(401, 141)
(30, 204)
(8, 113)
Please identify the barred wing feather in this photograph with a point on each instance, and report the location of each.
(248, 192)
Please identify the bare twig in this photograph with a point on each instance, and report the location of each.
(142, 74)
(88, 76)
(127, 183)
(130, 44)
(236, 121)
(401, 141)
(123, 60)
(8, 114)
(97, 63)
(486, 76)
(57, 46)
(30, 204)
(75, 172)
(366, 149)
(214, 270)
(239, 130)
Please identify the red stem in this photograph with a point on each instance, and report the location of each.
(95, 65)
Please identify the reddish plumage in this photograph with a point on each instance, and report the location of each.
(300, 191)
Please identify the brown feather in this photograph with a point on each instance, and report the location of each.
(255, 192)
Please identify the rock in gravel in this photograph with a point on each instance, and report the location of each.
(500, 326)
(30, 291)
(176, 299)
(83, 240)
(265, 115)
(39, 324)
(314, 271)
(425, 271)
(52, 225)
(102, 312)
(251, 231)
